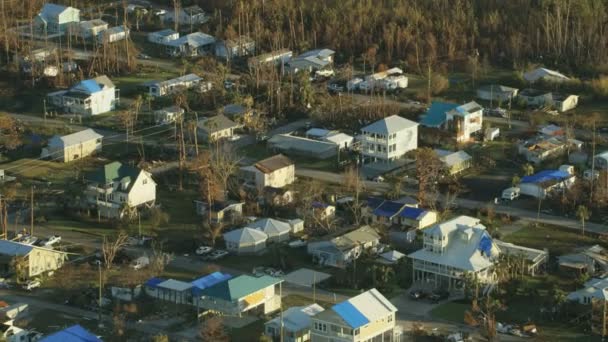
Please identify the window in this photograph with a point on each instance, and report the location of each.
(145, 181)
(390, 318)
(356, 332)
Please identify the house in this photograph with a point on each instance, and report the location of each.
(221, 212)
(113, 34)
(186, 82)
(595, 288)
(89, 97)
(56, 19)
(35, 260)
(343, 141)
(311, 61)
(541, 148)
(275, 230)
(534, 259)
(92, 28)
(545, 182)
(464, 120)
(387, 212)
(198, 285)
(342, 250)
(163, 36)
(365, 317)
(591, 260)
(168, 115)
(175, 291)
(232, 48)
(294, 323)
(543, 74)
(188, 16)
(390, 79)
(116, 188)
(276, 196)
(540, 98)
(388, 139)
(190, 45)
(455, 162)
(601, 160)
(452, 249)
(216, 128)
(417, 218)
(496, 92)
(243, 294)
(372, 203)
(564, 102)
(403, 212)
(276, 172)
(323, 211)
(278, 57)
(75, 333)
(245, 241)
(73, 146)
(237, 113)
(300, 146)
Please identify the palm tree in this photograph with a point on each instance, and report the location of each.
(583, 214)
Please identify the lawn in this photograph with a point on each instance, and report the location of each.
(558, 240)
(451, 311)
(251, 332)
(48, 171)
(288, 259)
(259, 151)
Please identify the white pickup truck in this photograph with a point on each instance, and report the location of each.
(510, 194)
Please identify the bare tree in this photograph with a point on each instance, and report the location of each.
(213, 330)
(428, 171)
(355, 185)
(110, 247)
(224, 163)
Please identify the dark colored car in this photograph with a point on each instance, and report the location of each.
(438, 296)
(418, 294)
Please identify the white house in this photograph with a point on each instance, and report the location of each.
(294, 323)
(277, 231)
(233, 48)
(342, 250)
(117, 187)
(73, 146)
(277, 171)
(92, 28)
(56, 19)
(188, 16)
(545, 182)
(496, 92)
(113, 34)
(465, 120)
(88, 97)
(162, 36)
(168, 114)
(544, 75)
(564, 102)
(245, 241)
(389, 139)
(191, 45)
(344, 141)
(601, 160)
(278, 57)
(595, 288)
(216, 128)
(221, 212)
(37, 260)
(162, 88)
(365, 317)
(455, 162)
(313, 60)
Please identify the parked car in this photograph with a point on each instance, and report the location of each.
(32, 284)
(140, 263)
(438, 296)
(52, 240)
(335, 88)
(418, 294)
(202, 250)
(217, 254)
(510, 194)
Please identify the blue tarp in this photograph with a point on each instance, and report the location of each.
(546, 175)
(411, 213)
(485, 245)
(350, 314)
(75, 333)
(91, 86)
(208, 281)
(435, 116)
(374, 202)
(152, 282)
(388, 209)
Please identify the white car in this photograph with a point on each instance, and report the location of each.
(29, 240)
(52, 240)
(32, 284)
(204, 250)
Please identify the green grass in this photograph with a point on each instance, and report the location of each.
(50, 171)
(292, 258)
(451, 311)
(558, 240)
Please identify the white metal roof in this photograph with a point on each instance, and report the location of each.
(339, 138)
(297, 318)
(175, 285)
(373, 305)
(392, 256)
(391, 124)
(537, 74)
(78, 137)
(195, 40)
(595, 288)
(245, 235)
(453, 158)
(271, 227)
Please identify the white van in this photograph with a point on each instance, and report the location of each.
(510, 193)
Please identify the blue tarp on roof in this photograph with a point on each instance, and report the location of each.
(374, 202)
(435, 116)
(208, 281)
(388, 209)
(485, 245)
(152, 282)
(411, 213)
(546, 175)
(350, 314)
(319, 205)
(91, 86)
(75, 333)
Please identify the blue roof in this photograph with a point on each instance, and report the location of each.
(208, 281)
(350, 314)
(319, 205)
(411, 213)
(152, 282)
(485, 244)
(435, 116)
(388, 209)
(91, 86)
(545, 176)
(374, 202)
(75, 333)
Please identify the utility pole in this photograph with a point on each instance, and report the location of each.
(32, 210)
(100, 323)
